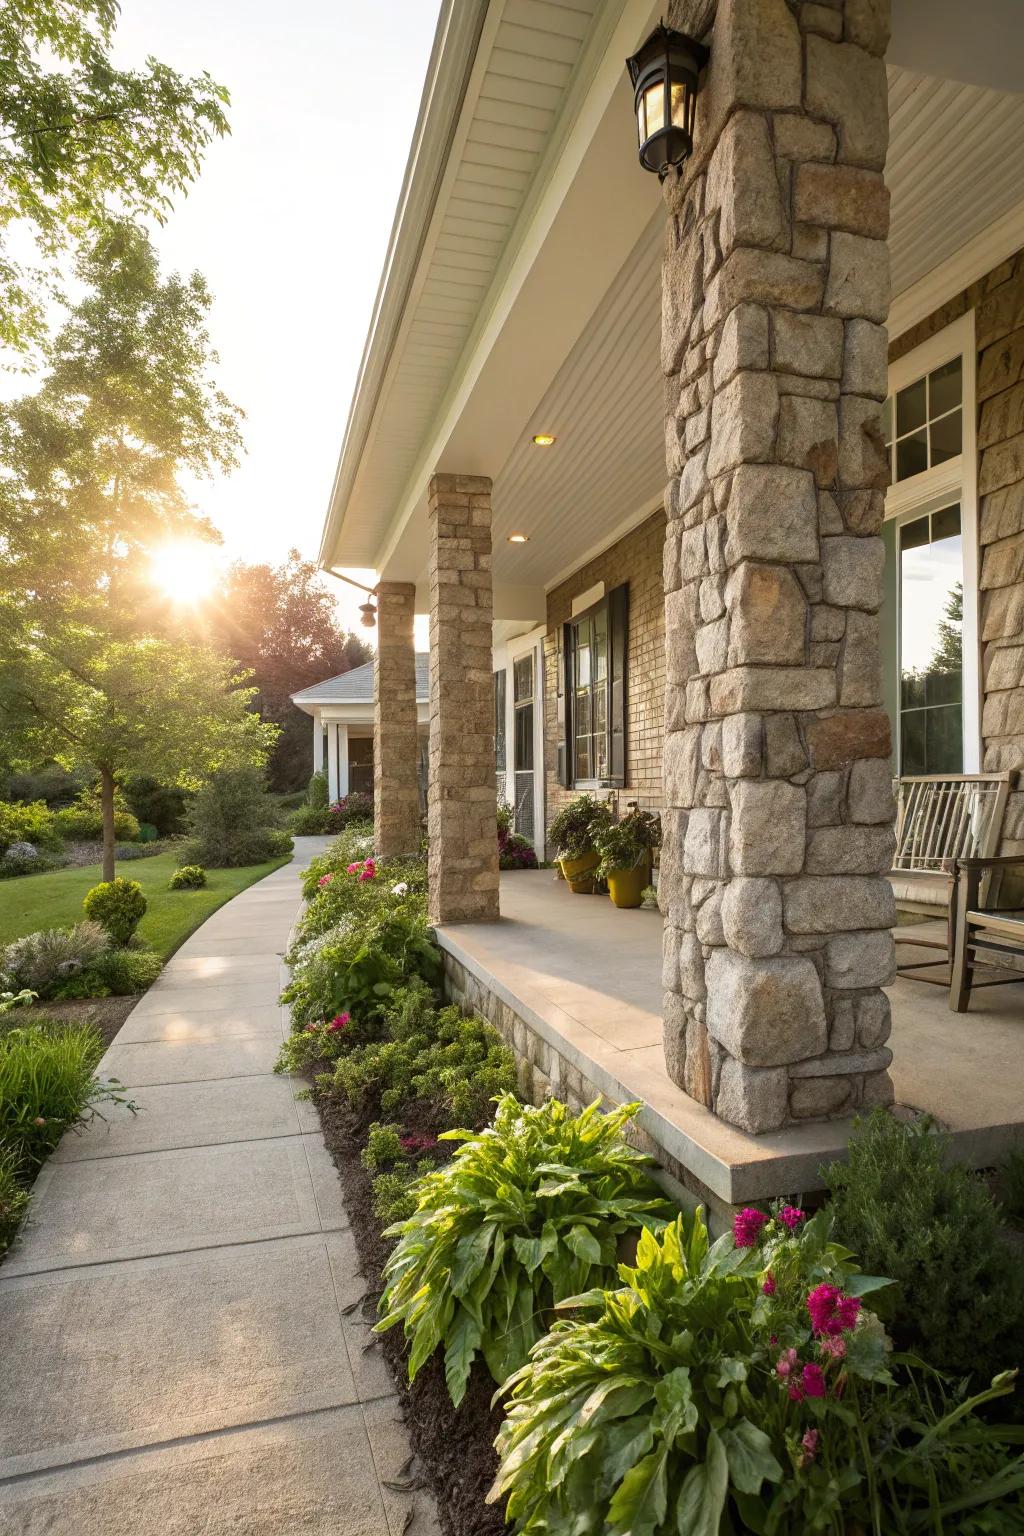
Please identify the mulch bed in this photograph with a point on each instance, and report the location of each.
(105, 1014)
(455, 1445)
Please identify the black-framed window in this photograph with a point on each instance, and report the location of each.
(592, 694)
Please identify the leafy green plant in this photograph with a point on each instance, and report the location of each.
(118, 906)
(353, 844)
(46, 960)
(741, 1388)
(383, 1146)
(455, 1064)
(575, 829)
(187, 877)
(14, 1197)
(47, 1086)
(649, 898)
(83, 820)
(352, 810)
(1011, 1184)
(394, 1192)
(162, 805)
(356, 966)
(123, 972)
(931, 1224)
(528, 1212)
(233, 821)
(318, 795)
(34, 823)
(627, 843)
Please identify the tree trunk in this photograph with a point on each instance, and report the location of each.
(107, 805)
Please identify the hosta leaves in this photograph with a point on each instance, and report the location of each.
(463, 1343)
(639, 1504)
(748, 1451)
(702, 1496)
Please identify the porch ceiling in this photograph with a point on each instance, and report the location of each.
(537, 305)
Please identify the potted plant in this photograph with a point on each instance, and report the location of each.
(574, 832)
(625, 854)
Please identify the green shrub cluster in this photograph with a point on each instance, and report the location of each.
(53, 957)
(187, 877)
(233, 821)
(912, 1213)
(529, 1212)
(116, 973)
(118, 906)
(743, 1386)
(33, 823)
(82, 821)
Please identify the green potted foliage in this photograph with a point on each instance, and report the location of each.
(625, 853)
(574, 833)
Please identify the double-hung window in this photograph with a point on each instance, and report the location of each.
(592, 694)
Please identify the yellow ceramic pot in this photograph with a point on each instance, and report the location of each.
(579, 873)
(626, 886)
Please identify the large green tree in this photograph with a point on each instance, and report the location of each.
(82, 141)
(281, 623)
(164, 708)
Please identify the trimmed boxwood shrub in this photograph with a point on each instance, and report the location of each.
(189, 877)
(118, 905)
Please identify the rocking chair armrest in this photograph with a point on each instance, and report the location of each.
(991, 861)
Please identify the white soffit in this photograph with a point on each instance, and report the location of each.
(530, 50)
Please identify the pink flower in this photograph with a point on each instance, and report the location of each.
(810, 1443)
(791, 1216)
(833, 1345)
(768, 1285)
(746, 1227)
(339, 1021)
(366, 874)
(325, 879)
(831, 1311)
(786, 1363)
(813, 1381)
(412, 1142)
(353, 869)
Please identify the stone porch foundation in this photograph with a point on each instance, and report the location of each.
(774, 352)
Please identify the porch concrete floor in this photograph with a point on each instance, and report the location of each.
(588, 978)
(178, 1346)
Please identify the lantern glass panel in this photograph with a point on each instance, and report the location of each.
(678, 105)
(654, 109)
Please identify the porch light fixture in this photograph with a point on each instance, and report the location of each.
(666, 67)
(367, 610)
(543, 439)
(519, 538)
(367, 615)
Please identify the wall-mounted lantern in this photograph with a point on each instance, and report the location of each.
(368, 615)
(666, 69)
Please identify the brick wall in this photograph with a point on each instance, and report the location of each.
(998, 299)
(636, 559)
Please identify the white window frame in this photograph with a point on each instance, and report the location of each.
(513, 650)
(932, 489)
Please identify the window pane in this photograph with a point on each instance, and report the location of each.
(600, 644)
(360, 751)
(523, 678)
(910, 408)
(944, 388)
(499, 719)
(912, 455)
(582, 757)
(945, 435)
(582, 655)
(600, 756)
(524, 737)
(583, 712)
(931, 660)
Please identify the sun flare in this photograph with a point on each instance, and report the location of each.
(185, 570)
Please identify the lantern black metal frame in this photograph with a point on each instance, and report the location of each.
(674, 61)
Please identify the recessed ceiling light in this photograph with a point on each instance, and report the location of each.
(543, 439)
(518, 538)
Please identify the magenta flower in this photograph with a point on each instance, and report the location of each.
(746, 1227)
(791, 1216)
(813, 1381)
(325, 879)
(412, 1142)
(810, 1443)
(831, 1311)
(353, 869)
(768, 1285)
(833, 1345)
(339, 1021)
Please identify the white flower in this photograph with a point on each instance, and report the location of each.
(401, 889)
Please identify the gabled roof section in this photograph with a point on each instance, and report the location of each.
(356, 685)
(498, 85)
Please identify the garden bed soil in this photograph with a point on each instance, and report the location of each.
(105, 1014)
(455, 1445)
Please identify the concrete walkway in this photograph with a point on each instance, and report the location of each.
(176, 1352)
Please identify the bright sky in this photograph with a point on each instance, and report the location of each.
(290, 222)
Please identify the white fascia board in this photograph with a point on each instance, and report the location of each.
(456, 48)
(599, 79)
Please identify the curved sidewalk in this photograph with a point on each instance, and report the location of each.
(177, 1352)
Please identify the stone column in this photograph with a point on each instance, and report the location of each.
(779, 829)
(396, 805)
(462, 794)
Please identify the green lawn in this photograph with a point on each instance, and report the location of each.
(54, 899)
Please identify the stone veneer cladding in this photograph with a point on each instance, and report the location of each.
(636, 560)
(998, 302)
(462, 791)
(775, 291)
(396, 797)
